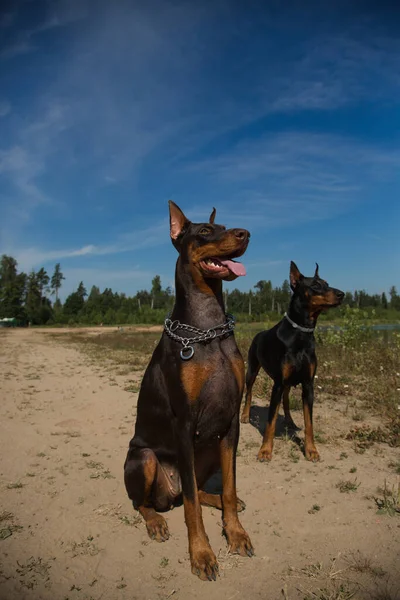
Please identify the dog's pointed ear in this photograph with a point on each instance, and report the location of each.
(212, 216)
(316, 274)
(295, 275)
(177, 222)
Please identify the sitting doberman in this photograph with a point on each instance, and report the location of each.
(187, 424)
(287, 354)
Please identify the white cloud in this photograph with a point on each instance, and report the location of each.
(30, 257)
(295, 177)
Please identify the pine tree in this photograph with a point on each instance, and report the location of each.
(43, 281)
(12, 289)
(56, 280)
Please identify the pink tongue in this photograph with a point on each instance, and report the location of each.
(235, 267)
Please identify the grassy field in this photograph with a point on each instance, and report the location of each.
(355, 361)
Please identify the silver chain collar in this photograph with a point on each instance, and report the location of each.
(299, 327)
(202, 335)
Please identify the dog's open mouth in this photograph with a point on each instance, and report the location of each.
(222, 268)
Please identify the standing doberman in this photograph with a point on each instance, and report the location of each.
(187, 424)
(287, 353)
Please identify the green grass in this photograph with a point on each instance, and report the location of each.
(354, 360)
(347, 486)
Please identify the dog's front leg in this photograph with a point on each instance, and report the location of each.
(202, 558)
(238, 540)
(310, 450)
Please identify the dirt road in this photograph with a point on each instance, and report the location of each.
(68, 531)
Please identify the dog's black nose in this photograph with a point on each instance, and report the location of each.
(242, 234)
(340, 294)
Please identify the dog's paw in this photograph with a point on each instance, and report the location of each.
(245, 418)
(204, 563)
(238, 541)
(157, 529)
(264, 454)
(312, 454)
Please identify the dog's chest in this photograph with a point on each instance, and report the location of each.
(213, 388)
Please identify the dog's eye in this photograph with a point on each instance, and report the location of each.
(205, 231)
(317, 286)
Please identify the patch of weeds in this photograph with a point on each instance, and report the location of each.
(121, 584)
(15, 486)
(84, 548)
(41, 454)
(100, 471)
(347, 486)
(343, 455)
(7, 518)
(340, 592)
(33, 569)
(92, 464)
(132, 521)
(313, 570)
(314, 509)
(320, 438)
(358, 416)
(164, 562)
(70, 434)
(294, 454)
(395, 466)
(385, 594)
(365, 436)
(106, 474)
(353, 470)
(389, 501)
(133, 387)
(364, 564)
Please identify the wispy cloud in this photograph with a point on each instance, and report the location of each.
(290, 178)
(60, 13)
(32, 257)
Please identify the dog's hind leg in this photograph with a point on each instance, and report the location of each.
(206, 465)
(289, 423)
(144, 477)
(215, 501)
(253, 368)
(265, 452)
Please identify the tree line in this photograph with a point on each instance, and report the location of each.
(34, 299)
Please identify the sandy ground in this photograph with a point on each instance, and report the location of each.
(68, 531)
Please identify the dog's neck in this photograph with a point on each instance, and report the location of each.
(201, 306)
(297, 313)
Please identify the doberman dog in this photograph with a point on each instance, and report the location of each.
(187, 424)
(287, 354)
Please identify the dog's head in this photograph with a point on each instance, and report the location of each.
(209, 249)
(313, 292)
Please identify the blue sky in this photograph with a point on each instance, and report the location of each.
(285, 116)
